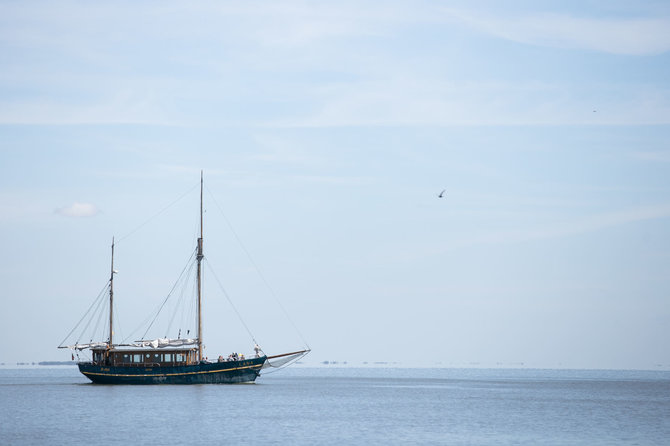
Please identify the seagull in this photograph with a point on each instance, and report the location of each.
(441, 194)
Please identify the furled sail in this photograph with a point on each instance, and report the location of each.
(164, 342)
(85, 346)
(123, 361)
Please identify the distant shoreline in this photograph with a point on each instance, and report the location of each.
(57, 363)
(387, 365)
(4, 364)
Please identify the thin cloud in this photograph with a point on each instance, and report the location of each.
(639, 36)
(127, 108)
(78, 210)
(662, 156)
(335, 87)
(334, 180)
(439, 102)
(578, 226)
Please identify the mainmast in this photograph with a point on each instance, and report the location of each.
(199, 258)
(111, 298)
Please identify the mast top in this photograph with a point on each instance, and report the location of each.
(199, 257)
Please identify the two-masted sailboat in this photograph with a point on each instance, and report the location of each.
(171, 361)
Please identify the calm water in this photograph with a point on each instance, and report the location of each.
(343, 406)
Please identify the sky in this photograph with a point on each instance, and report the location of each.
(326, 131)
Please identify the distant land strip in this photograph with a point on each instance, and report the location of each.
(43, 363)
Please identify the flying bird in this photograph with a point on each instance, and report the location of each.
(441, 194)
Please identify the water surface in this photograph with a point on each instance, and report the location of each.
(307, 406)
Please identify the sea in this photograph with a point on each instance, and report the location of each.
(343, 406)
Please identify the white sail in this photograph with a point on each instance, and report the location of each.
(164, 342)
(286, 359)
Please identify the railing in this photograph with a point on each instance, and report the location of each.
(137, 364)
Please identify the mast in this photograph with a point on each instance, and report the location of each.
(199, 258)
(111, 299)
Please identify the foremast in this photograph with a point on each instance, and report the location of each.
(199, 257)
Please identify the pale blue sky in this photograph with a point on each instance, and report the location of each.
(326, 131)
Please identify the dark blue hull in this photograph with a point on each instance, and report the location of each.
(227, 372)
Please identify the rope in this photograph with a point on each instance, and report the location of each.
(157, 214)
(99, 325)
(148, 318)
(231, 303)
(188, 263)
(267, 284)
(95, 301)
(191, 267)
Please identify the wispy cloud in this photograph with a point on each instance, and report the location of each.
(274, 148)
(576, 226)
(291, 64)
(631, 36)
(416, 101)
(78, 210)
(655, 156)
(406, 101)
(124, 107)
(334, 180)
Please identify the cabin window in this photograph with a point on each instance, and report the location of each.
(137, 358)
(179, 357)
(168, 357)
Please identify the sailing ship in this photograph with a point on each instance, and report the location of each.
(171, 361)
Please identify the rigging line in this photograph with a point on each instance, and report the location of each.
(95, 303)
(188, 316)
(267, 284)
(86, 313)
(157, 214)
(188, 263)
(85, 331)
(148, 318)
(99, 310)
(102, 314)
(117, 323)
(191, 266)
(130, 335)
(253, 338)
